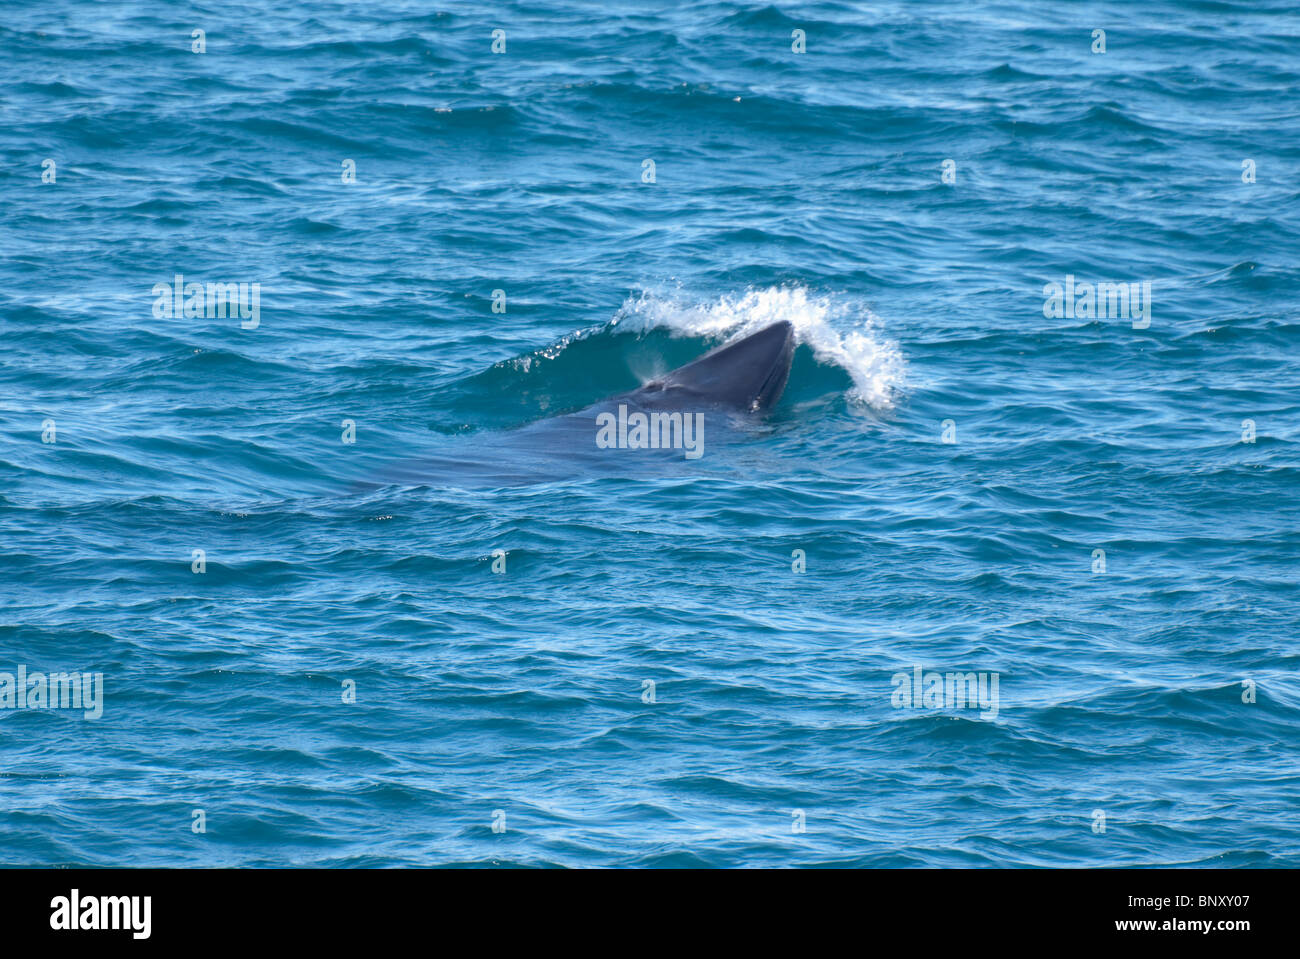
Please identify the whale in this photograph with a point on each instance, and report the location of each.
(664, 419)
(748, 375)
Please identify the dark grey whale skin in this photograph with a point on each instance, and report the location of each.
(738, 380)
(748, 375)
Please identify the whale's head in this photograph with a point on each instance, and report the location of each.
(749, 375)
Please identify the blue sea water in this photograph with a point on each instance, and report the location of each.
(1100, 512)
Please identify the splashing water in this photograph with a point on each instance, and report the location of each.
(839, 331)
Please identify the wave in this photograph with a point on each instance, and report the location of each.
(652, 333)
(840, 331)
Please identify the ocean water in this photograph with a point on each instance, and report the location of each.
(454, 641)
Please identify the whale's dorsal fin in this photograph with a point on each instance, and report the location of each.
(749, 374)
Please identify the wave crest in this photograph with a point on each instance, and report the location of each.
(839, 330)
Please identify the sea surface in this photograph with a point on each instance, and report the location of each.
(350, 607)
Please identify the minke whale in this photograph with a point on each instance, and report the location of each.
(748, 375)
(737, 381)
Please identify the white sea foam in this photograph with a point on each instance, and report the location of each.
(839, 330)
